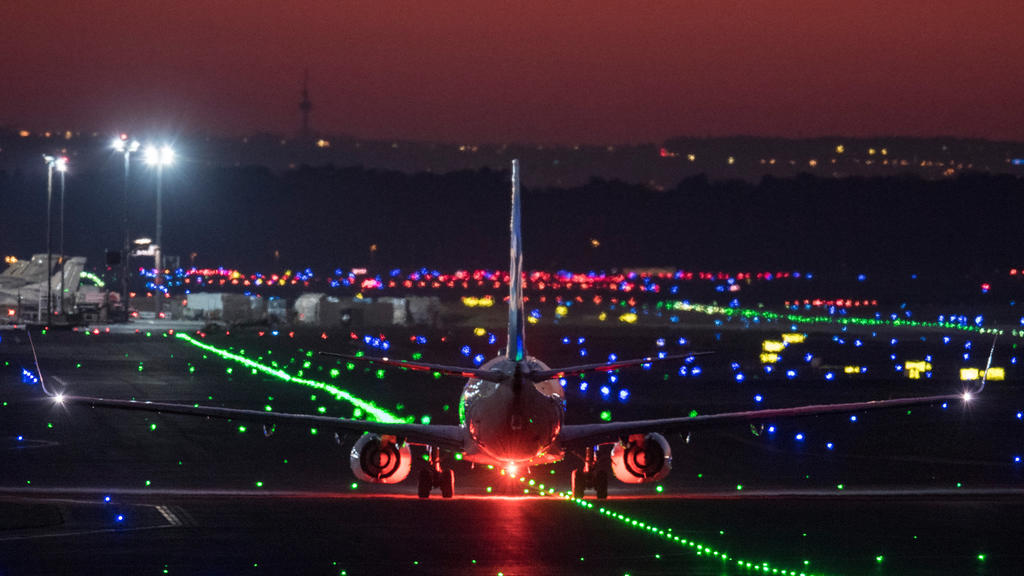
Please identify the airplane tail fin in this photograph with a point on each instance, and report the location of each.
(516, 349)
(65, 281)
(72, 275)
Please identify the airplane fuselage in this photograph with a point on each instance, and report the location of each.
(515, 421)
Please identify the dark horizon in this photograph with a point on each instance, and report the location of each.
(249, 217)
(13, 129)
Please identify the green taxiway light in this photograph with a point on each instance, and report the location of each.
(374, 412)
(696, 548)
(751, 314)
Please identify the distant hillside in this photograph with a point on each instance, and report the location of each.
(256, 218)
(659, 166)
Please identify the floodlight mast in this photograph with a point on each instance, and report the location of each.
(125, 146)
(50, 161)
(62, 167)
(159, 157)
(60, 163)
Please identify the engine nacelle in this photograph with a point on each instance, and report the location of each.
(380, 460)
(642, 459)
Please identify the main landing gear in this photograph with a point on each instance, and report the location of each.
(588, 476)
(436, 476)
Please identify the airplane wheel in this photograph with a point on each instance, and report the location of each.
(579, 484)
(601, 484)
(425, 484)
(447, 483)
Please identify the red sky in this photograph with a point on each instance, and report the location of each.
(550, 71)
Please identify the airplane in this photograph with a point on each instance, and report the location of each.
(512, 414)
(23, 289)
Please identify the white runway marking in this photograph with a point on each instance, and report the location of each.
(168, 515)
(171, 514)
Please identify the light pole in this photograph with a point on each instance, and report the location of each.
(62, 167)
(60, 163)
(126, 147)
(159, 157)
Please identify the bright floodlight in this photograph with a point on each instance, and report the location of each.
(161, 156)
(123, 144)
(968, 396)
(59, 398)
(58, 162)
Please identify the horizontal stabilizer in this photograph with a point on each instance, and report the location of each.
(489, 375)
(541, 375)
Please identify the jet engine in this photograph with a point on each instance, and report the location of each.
(380, 460)
(642, 458)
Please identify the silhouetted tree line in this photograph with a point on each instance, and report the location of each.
(326, 217)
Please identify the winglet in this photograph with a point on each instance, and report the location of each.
(39, 373)
(988, 365)
(516, 349)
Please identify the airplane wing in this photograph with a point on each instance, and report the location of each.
(541, 375)
(447, 436)
(489, 375)
(583, 435)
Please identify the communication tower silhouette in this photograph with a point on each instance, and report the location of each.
(306, 106)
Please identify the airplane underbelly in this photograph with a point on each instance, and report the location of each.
(509, 437)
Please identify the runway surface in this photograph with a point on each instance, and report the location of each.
(935, 491)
